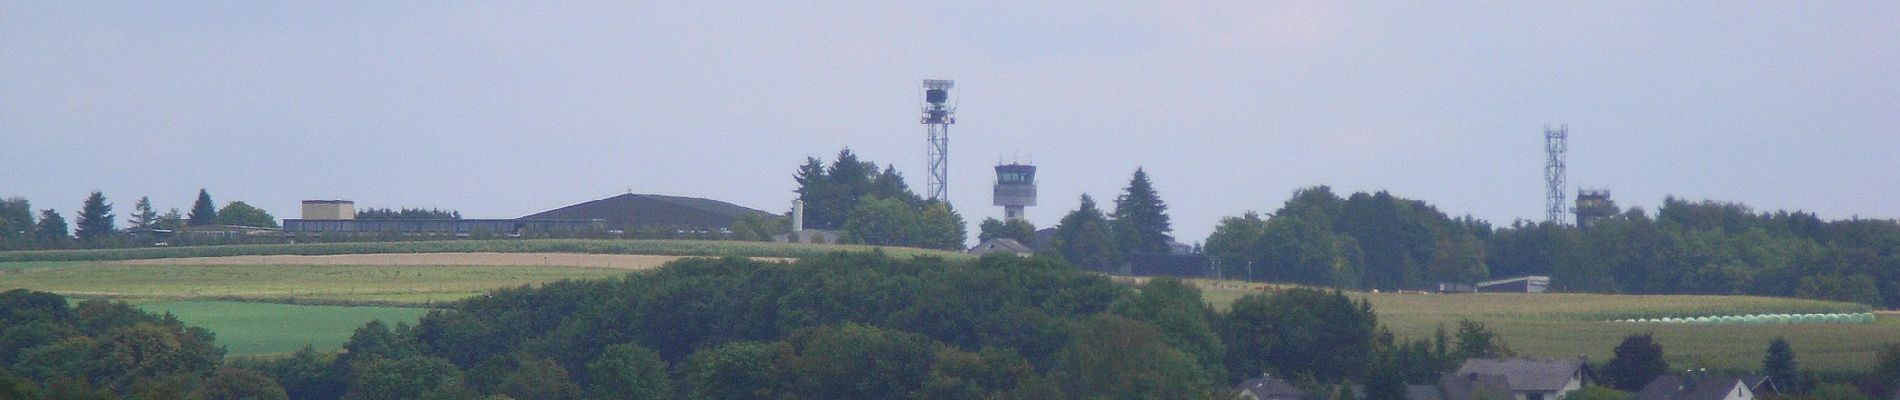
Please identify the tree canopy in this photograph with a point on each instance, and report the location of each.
(874, 207)
(240, 214)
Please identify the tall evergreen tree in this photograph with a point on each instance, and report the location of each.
(203, 211)
(95, 219)
(52, 231)
(1141, 218)
(1781, 368)
(143, 215)
(1085, 238)
(1638, 360)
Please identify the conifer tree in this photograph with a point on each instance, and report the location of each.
(1781, 368)
(1141, 218)
(95, 219)
(203, 211)
(143, 215)
(1085, 238)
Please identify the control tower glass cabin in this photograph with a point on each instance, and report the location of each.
(1015, 189)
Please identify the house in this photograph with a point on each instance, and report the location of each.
(1673, 387)
(1527, 379)
(1462, 387)
(1004, 245)
(1267, 387)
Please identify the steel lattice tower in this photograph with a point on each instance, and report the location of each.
(938, 115)
(1555, 147)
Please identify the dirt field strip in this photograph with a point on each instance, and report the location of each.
(612, 261)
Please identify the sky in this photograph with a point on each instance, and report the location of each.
(502, 109)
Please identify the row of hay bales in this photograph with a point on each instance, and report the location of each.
(1762, 319)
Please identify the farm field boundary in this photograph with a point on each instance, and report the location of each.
(699, 248)
(612, 261)
(1566, 325)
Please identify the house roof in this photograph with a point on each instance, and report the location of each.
(632, 210)
(1528, 375)
(1423, 392)
(1464, 386)
(1674, 387)
(1003, 244)
(1267, 387)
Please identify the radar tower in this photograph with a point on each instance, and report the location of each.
(939, 113)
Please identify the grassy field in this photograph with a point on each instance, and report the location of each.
(321, 284)
(1568, 325)
(262, 299)
(258, 328)
(586, 246)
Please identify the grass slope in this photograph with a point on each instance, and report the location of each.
(259, 328)
(591, 246)
(406, 285)
(1567, 325)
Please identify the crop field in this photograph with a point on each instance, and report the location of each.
(246, 328)
(417, 280)
(1567, 325)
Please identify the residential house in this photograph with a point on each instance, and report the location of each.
(1527, 379)
(1005, 245)
(1674, 387)
(1267, 387)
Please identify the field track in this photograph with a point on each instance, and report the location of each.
(611, 261)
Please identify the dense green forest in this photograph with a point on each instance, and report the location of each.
(1381, 241)
(844, 325)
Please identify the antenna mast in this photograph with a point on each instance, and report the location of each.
(1555, 147)
(937, 119)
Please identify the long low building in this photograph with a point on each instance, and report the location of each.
(626, 212)
(440, 226)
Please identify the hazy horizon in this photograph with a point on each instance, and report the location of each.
(503, 110)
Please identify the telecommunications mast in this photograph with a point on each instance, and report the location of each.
(938, 115)
(1554, 149)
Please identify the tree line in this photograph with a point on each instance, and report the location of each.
(1381, 241)
(870, 206)
(96, 226)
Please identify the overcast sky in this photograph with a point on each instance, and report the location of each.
(502, 110)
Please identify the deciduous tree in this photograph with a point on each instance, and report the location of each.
(1638, 360)
(628, 371)
(240, 214)
(51, 231)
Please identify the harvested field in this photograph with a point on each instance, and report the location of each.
(613, 261)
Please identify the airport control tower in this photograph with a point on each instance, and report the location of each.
(1015, 189)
